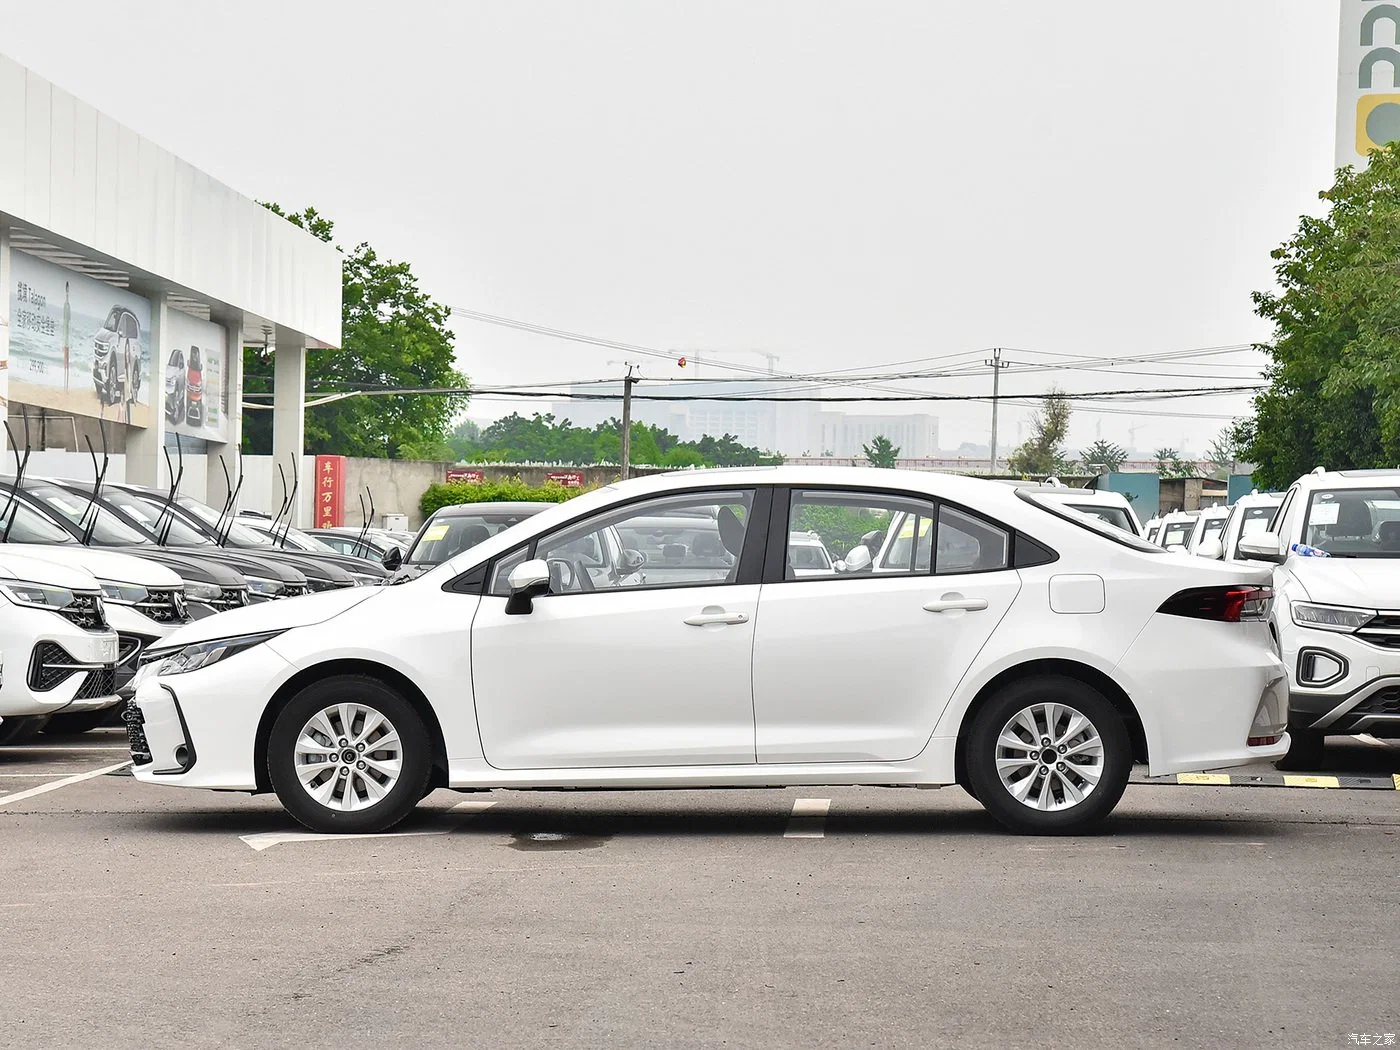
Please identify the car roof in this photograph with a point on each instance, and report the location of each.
(1341, 479)
(467, 509)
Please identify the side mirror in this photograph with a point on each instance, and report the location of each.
(393, 559)
(858, 560)
(1262, 546)
(1211, 548)
(527, 581)
(630, 561)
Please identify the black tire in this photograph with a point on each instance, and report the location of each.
(1304, 750)
(415, 748)
(983, 750)
(21, 729)
(84, 721)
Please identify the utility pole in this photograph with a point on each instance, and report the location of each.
(627, 382)
(996, 364)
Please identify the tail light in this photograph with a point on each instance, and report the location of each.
(1229, 604)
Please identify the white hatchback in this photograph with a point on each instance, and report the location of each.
(1012, 645)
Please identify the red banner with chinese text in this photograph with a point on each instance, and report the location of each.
(329, 510)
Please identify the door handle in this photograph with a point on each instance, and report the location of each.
(956, 605)
(705, 619)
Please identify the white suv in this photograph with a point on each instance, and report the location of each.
(1336, 542)
(1250, 514)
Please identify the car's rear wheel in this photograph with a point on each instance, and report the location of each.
(1048, 756)
(349, 755)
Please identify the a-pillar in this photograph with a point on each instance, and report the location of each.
(145, 446)
(223, 455)
(288, 416)
(4, 325)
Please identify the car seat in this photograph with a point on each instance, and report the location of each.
(1353, 519)
(1388, 535)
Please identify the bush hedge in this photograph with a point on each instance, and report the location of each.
(508, 490)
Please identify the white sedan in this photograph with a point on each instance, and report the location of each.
(1012, 645)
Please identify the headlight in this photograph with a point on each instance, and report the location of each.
(364, 579)
(36, 595)
(203, 592)
(123, 593)
(267, 588)
(1330, 617)
(199, 654)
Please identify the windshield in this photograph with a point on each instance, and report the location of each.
(1257, 519)
(238, 535)
(1212, 528)
(30, 526)
(148, 514)
(1354, 523)
(807, 555)
(1177, 533)
(296, 539)
(1093, 523)
(1113, 515)
(450, 535)
(109, 531)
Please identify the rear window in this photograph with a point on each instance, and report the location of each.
(1086, 521)
(1113, 515)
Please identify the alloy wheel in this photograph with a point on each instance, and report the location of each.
(348, 757)
(1049, 757)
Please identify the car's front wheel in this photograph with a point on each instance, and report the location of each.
(349, 755)
(1048, 756)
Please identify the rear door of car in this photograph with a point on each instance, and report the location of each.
(856, 666)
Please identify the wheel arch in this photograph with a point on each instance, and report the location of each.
(369, 669)
(1090, 676)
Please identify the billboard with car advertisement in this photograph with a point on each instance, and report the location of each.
(194, 376)
(77, 345)
(1368, 80)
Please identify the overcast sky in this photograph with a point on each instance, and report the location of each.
(842, 184)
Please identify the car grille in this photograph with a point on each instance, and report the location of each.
(86, 611)
(52, 665)
(295, 591)
(136, 734)
(165, 606)
(1383, 702)
(233, 598)
(100, 683)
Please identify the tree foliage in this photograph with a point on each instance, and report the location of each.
(1171, 465)
(545, 439)
(1044, 451)
(1103, 455)
(507, 490)
(1333, 394)
(393, 335)
(881, 452)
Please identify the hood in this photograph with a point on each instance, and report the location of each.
(272, 616)
(37, 570)
(108, 565)
(1369, 583)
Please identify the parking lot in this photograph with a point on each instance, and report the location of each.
(1201, 916)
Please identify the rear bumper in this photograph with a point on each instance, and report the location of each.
(1203, 690)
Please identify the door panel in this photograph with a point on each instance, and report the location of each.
(617, 678)
(858, 670)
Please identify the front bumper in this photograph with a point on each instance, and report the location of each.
(1364, 697)
(200, 729)
(58, 667)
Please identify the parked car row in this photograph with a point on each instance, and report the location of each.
(94, 574)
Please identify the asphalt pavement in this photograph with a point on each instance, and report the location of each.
(1200, 916)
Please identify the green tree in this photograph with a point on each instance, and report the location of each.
(881, 452)
(682, 456)
(1044, 451)
(1103, 455)
(464, 439)
(393, 335)
(1227, 449)
(1171, 465)
(1333, 394)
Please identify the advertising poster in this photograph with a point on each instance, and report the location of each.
(194, 377)
(329, 500)
(77, 345)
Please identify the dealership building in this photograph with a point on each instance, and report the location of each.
(130, 282)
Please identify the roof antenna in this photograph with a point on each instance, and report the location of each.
(166, 521)
(11, 509)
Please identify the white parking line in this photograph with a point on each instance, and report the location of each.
(267, 839)
(473, 805)
(808, 820)
(77, 778)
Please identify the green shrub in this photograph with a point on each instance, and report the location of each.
(507, 490)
